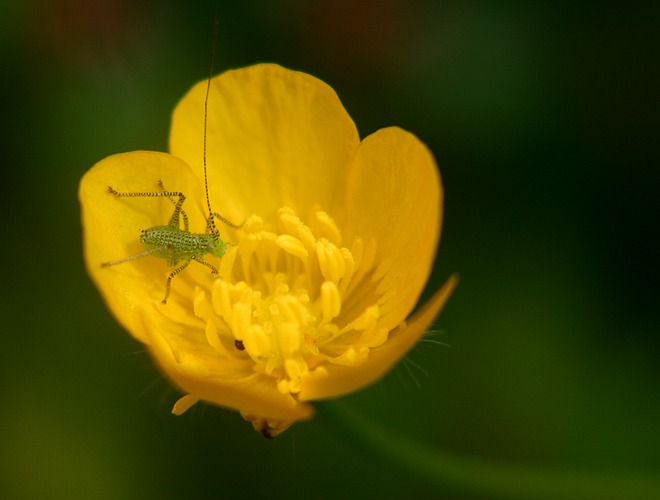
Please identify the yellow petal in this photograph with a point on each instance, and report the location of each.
(395, 200)
(275, 138)
(184, 403)
(280, 146)
(338, 380)
(224, 382)
(111, 230)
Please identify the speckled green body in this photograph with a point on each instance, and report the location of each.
(175, 244)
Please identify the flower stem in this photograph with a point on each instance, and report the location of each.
(452, 472)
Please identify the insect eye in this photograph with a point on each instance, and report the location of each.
(210, 247)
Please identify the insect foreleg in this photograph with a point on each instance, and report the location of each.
(204, 263)
(210, 226)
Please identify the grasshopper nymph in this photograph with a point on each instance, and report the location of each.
(180, 246)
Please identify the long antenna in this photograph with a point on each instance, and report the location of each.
(206, 107)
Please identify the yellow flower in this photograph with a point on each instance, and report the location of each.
(313, 294)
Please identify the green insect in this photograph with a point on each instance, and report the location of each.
(172, 243)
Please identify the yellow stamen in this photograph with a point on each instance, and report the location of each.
(282, 299)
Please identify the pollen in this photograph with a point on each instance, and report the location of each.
(281, 297)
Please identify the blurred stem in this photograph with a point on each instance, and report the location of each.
(450, 471)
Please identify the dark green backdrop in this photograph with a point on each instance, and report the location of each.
(542, 121)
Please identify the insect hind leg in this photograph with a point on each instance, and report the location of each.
(186, 226)
(133, 257)
(178, 205)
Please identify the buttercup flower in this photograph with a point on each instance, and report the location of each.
(313, 294)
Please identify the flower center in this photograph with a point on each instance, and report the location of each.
(293, 299)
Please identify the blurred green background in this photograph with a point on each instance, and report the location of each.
(541, 116)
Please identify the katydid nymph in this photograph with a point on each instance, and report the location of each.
(179, 246)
